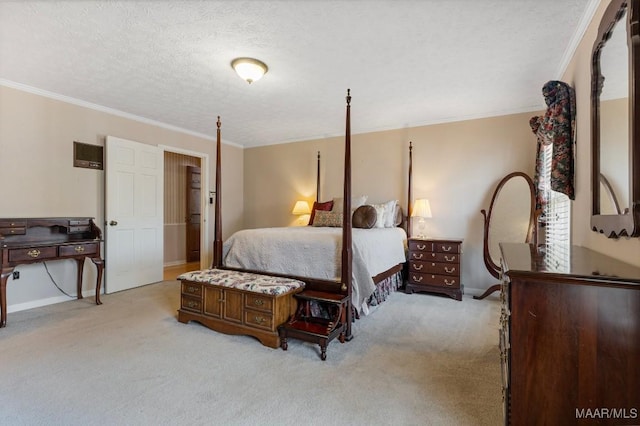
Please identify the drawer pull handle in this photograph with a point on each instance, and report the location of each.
(418, 279)
(192, 304)
(418, 256)
(446, 281)
(449, 259)
(258, 302)
(79, 249)
(417, 267)
(448, 248)
(259, 320)
(421, 246)
(192, 289)
(34, 253)
(449, 271)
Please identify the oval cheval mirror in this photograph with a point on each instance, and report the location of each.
(615, 118)
(510, 219)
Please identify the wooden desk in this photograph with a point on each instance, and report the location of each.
(32, 240)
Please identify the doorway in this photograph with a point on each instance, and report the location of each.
(184, 224)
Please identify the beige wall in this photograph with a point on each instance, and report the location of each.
(578, 75)
(39, 180)
(455, 165)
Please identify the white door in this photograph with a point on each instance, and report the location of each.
(133, 214)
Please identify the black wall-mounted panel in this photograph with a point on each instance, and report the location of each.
(88, 156)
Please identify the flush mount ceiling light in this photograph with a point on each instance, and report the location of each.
(249, 69)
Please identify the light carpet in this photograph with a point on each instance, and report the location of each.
(416, 360)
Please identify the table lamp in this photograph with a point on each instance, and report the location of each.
(421, 209)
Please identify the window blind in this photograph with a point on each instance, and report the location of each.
(556, 217)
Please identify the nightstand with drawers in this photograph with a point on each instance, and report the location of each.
(435, 266)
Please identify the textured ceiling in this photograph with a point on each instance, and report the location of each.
(407, 62)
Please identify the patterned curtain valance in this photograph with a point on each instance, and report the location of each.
(557, 127)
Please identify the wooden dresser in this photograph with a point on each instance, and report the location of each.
(569, 337)
(434, 266)
(31, 240)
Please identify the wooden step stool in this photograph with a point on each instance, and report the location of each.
(304, 326)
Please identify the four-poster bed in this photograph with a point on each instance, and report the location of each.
(327, 285)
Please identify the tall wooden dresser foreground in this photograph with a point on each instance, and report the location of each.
(434, 266)
(569, 337)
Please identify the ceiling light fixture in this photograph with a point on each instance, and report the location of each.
(249, 69)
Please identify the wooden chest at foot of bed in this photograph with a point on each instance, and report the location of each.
(233, 310)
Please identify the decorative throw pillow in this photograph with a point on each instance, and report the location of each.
(324, 206)
(379, 215)
(364, 217)
(325, 218)
(399, 216)
(390, 213)
(356, 202)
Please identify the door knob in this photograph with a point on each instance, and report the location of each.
(113, 223)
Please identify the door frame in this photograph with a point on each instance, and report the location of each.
(205, 255)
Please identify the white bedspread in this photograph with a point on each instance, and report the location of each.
(316, 252)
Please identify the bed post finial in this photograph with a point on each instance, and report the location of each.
(218, 123)
(348, 97)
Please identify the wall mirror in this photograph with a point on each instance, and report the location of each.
(614, 134)
(510, 219)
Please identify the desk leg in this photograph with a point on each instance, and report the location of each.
(6, 273)
(100, 266)
(80, 263)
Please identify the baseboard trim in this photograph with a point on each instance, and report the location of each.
(45, 302)
(175, 263)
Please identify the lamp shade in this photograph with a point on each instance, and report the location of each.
(421, 208)
(249, 69)
(301, 207)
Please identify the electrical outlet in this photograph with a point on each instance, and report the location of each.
(16, 275)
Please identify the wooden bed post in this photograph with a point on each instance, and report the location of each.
(318, 180)
(217, 242)
(346, 218)
(409, 196)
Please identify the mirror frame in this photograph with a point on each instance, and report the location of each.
(615, 226)
(492, 267)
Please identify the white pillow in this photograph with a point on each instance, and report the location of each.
(355, 203)
(380, 213)
(390, 213)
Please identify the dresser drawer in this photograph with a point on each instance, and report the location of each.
(435, 257)
(79, 229)
(258, 319)
(434, 268)
(38, 253)
(191, 303)
(257, 301)
(79, 249)
(434, 279)
(12, 223)
(447, 247)
(192, 289)
(420, 246)
(13, 230)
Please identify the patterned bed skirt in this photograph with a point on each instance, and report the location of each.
(383, 289)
